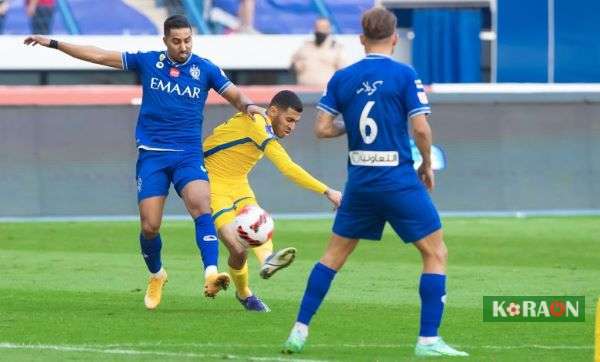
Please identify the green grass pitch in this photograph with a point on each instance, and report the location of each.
(74, 291)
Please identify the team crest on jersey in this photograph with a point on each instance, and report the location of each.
(369, 88)
(174, 72)
(195, 72)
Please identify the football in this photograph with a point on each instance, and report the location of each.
(254, 225)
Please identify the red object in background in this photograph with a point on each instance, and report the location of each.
(44, 2)
(118, 95)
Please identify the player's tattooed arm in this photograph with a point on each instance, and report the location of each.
(87, 53)
(326, 126)
(423, 138)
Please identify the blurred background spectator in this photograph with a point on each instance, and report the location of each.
(246, 16)
(3, 10)
(41, 13)
(316, 61)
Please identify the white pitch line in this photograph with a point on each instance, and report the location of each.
(98, 349)
(344, 345)
(538, 346)
(120, 348)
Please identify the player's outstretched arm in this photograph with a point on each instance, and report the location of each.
(326, 126)
(291, 170)
(241, 102)
(422, 136)
(87, 53)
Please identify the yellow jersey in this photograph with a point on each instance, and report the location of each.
(236, 146)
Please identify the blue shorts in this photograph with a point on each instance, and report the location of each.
(410, 211)
(156, 170)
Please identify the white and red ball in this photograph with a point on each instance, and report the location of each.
(254, 225)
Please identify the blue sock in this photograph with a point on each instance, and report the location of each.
(151, 252)
(206, 238)
(318, 284)
(432, 290)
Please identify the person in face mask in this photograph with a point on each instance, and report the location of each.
(317, 59)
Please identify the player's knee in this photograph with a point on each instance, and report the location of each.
(200, 206)
(237, 250)
(237, 257)
(150, 229)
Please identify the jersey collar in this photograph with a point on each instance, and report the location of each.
(175, 63)
(378, 56)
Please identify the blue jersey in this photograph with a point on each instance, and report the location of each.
(376, 97)
(173, 99)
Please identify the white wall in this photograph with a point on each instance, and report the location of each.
(227, 51)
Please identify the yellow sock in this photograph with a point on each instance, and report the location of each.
(263, 251)
(240, 279)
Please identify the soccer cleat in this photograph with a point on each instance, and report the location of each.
(294, 343)
(439, 348)
(214, 283)
(154, 291)
(253, 304)
(277, 261)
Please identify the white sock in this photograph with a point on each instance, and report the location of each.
(428, 340)
(159, 274)
(301, 328)
(211, 269)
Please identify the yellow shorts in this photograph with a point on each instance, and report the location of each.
(227, 199)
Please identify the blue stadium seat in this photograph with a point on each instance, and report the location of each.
(106, 17)
(285, 16)
(347, 13)
(231, 6)
(298, 16)
(115, 18)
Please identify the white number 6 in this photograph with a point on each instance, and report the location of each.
(365, 122)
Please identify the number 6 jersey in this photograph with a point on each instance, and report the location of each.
(376, 97)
